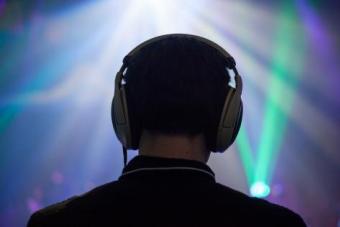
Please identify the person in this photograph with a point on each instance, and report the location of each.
(174, 103)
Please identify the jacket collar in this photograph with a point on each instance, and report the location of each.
(146, 165)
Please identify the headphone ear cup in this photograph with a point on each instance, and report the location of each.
(120, 118)
(229, 122)
(237, 123)
(113, 118)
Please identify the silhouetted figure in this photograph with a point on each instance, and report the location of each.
(174, 103)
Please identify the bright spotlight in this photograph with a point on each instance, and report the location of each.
(259, 189)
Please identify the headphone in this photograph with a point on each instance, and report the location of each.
(231, 117)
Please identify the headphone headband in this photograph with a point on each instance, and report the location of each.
(230, 60)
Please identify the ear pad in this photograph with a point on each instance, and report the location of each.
(120, 117)
(113, 118)
(237, 124)
(230, 121)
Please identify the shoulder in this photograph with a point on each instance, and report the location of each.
(66, 212)
(263, 211)
(52, 215)
(276, 214)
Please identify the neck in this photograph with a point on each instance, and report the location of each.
(174, 146)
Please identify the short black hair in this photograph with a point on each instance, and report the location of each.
(177, 86)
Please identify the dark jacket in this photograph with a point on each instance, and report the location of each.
(165, 192)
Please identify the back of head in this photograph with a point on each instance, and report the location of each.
(177, 86)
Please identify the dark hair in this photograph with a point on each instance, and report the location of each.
(177, 86)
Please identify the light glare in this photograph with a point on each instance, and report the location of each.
(260, 189)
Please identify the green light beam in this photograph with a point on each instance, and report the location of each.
(275, 118)
(245, 152)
